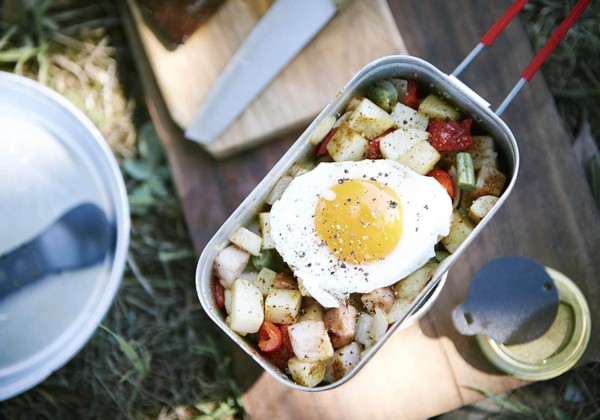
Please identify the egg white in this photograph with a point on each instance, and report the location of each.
(426, 207)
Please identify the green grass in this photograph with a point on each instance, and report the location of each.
(156, 353)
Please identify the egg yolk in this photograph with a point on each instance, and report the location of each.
(359, 220)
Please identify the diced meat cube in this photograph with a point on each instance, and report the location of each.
(247, 240)
(310, 341)
(230, 263)
(311, 310)
(379, 298)
(490, 181)
(283, 281)
(341, 325)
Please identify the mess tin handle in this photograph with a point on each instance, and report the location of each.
(491, 35)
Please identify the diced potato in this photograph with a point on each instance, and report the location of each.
(343, 118)
(382, 298)
(247, 240)
(282, 306)
(421, 158)
(343, 361)
(437, 109)
(399, 309)
(249, 275)
(460, 228)
(301, 167)
(227, 300)
(311, 310)
(278, 189)
(483, 142)
(264, 220)
(246, 307)
(370, 120)
(347, 145)
(406, 117)
(353, 103)
(230, 263)
(481, 207)
(378, 327)
(363, 325)
(310, 341)
(302, 289)
(410, 287)
(322, 130)
(308, 374)
(490, 181)
(265, 280)
(396, 143)
(484, 157)
(484, 152)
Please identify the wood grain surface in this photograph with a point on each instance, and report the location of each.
(550, 217)
(360, 33)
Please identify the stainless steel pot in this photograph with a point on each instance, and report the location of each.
(449, 87)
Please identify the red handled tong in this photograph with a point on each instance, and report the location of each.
(491, 35)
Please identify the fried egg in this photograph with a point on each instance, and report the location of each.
(353, 227)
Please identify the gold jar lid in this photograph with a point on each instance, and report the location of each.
(557, 350)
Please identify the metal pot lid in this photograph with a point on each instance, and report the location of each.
(52, 158)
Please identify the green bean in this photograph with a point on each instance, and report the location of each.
(465, 171)
(270, 259)
(384, 94)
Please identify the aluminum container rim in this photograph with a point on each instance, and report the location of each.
(294, 154)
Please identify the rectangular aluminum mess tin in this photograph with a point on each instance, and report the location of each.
(452, 90)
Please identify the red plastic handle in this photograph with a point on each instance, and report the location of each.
(556, 37)
(491, 35)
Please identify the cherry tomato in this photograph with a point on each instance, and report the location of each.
(450, 136)
(374, 151)
(322, 149)
(269, 337)
(412, 99)
(284, 353)
(219, 294)
(443, 178)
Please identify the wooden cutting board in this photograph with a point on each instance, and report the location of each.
(550, 216)
(362, 32)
